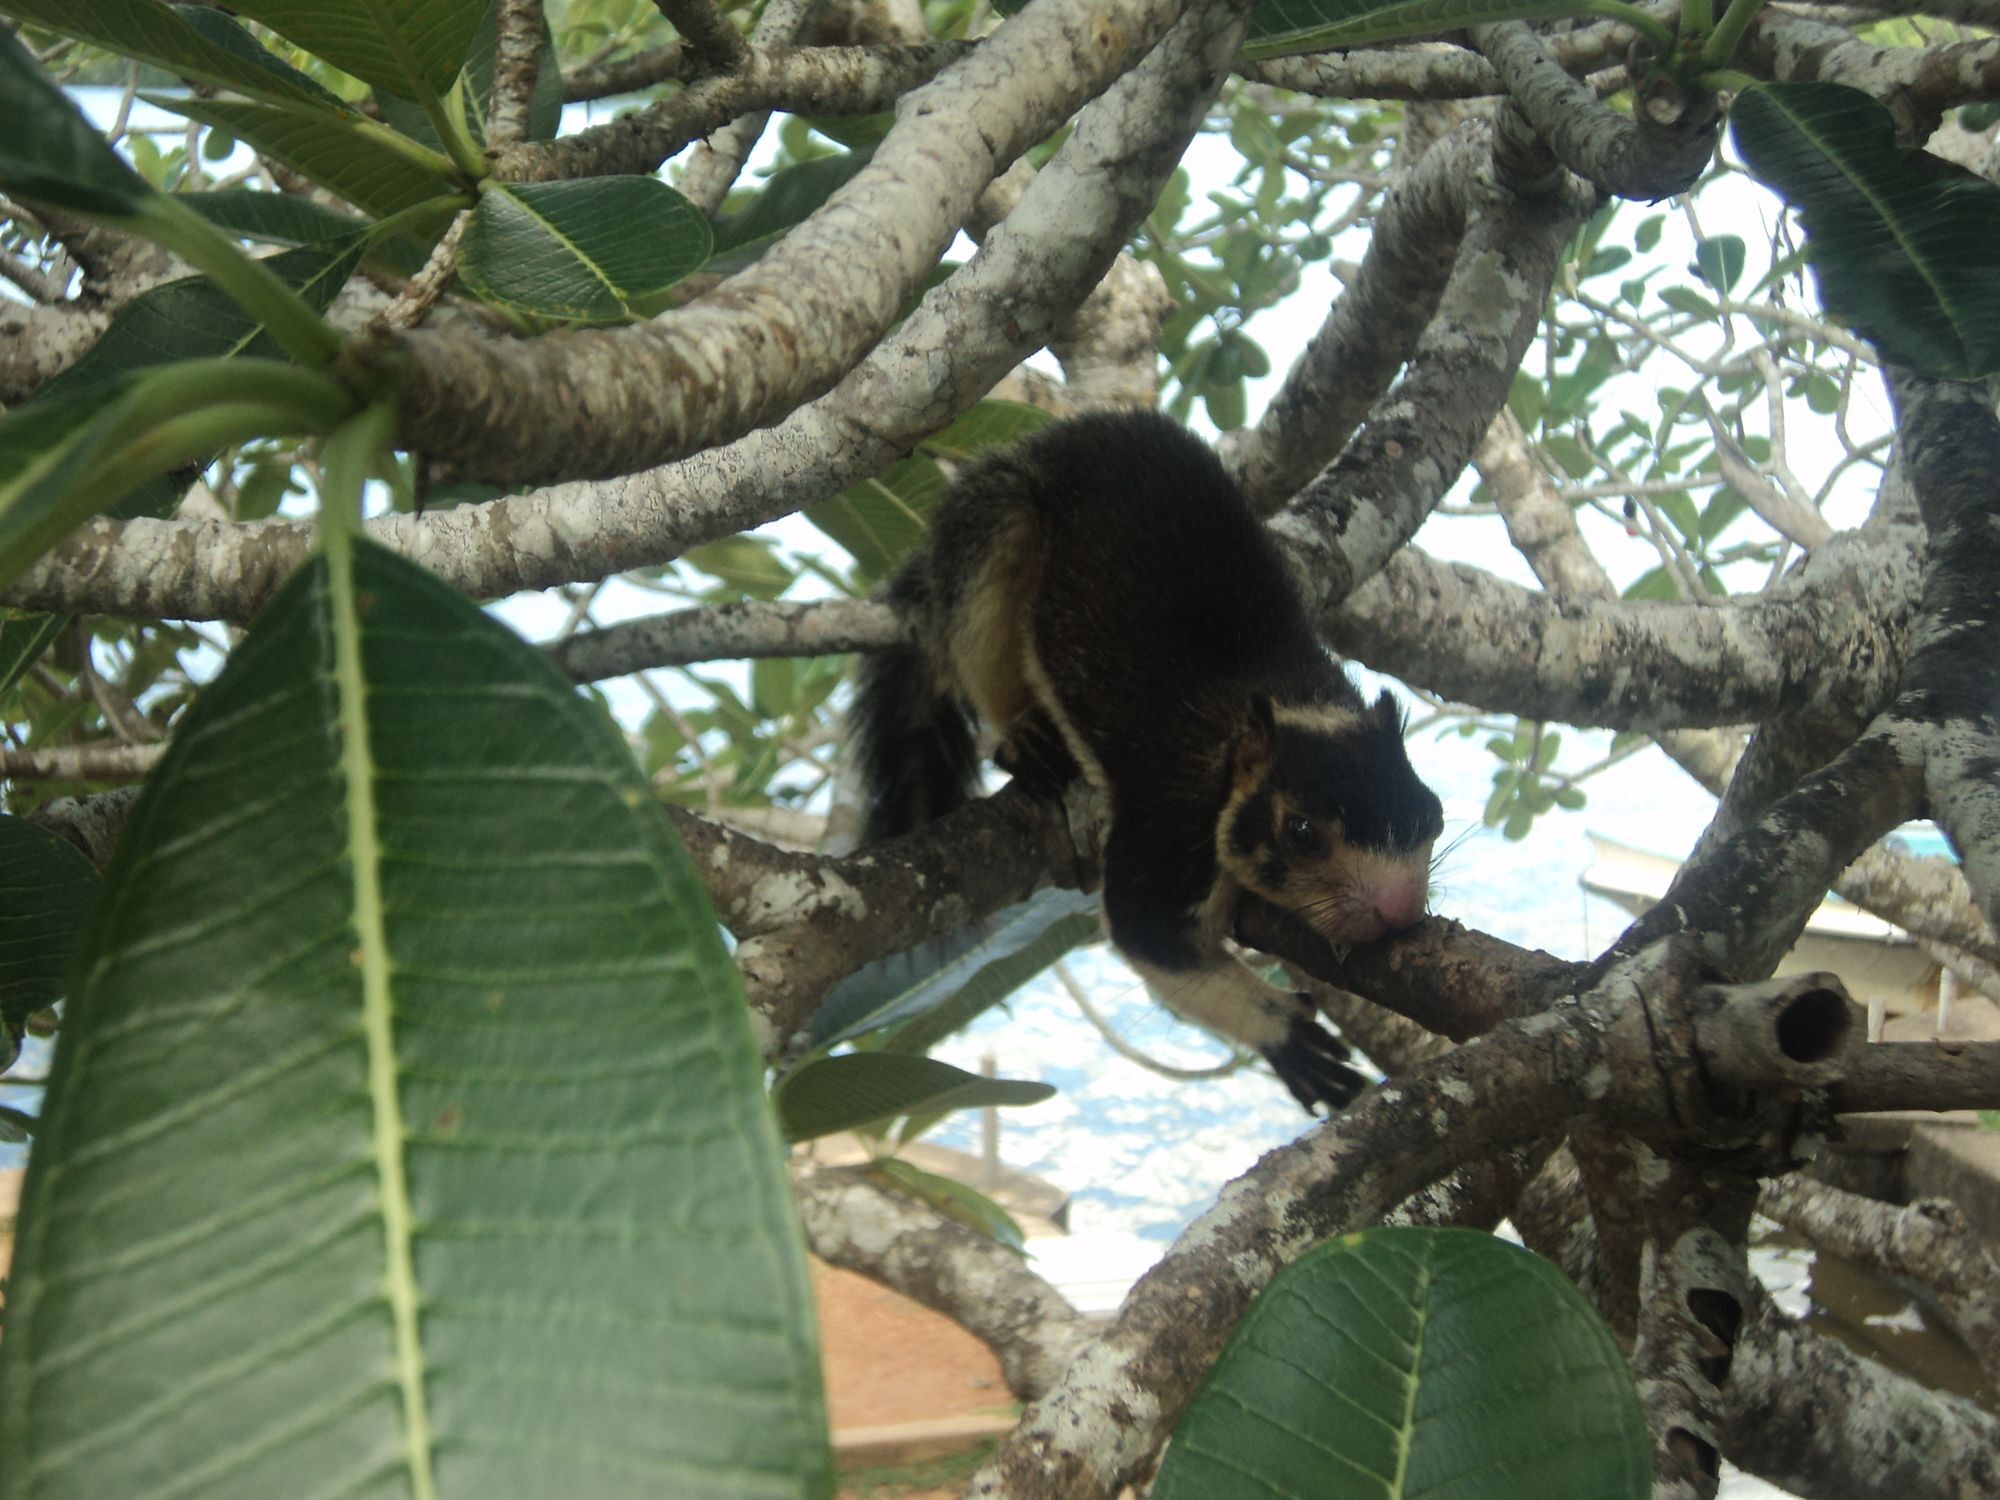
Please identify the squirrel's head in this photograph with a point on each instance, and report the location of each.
(1326, 817)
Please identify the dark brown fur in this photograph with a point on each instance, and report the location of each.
(1104, 597)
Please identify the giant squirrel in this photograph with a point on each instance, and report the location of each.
(1104, 597)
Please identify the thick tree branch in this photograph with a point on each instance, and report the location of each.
(978, 1283)
(1808, 1413)
(1916, 83)
(1951, 684)
(1634, 664)
(1346, 524)
(1371, 329)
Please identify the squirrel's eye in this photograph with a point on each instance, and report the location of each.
(1300, 834)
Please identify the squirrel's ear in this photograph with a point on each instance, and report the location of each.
(1257, 740)
(1388, 714)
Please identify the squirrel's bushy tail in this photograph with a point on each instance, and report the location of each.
(917, 747)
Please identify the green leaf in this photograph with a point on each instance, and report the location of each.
(368, 164)
(1686, 300)
(49, 153)
(544, 104)
(405, 1131)
(934, 989)
(988, 424)
(193, 318)
(834, 1094)
(187, 40)
(953, 1199)
(404, 47)
(599, 250)
(788, 197)
(879, 520)
(1719, 259)
(16, 1126)
(1404, 1362)
(1902, 241)
(275, 218)
(23, 639)
(46, 892)
(773, 680)
(746, 564)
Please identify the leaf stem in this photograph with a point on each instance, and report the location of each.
(357, 449)
(1662, 40)
(303, 333)
(447, 117)
(1722, 42)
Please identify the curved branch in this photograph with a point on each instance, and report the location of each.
(1369, 332)
(1658, 151)
(1649, 665)
(975, 1281)
(1346, 524)
(712, 632)
(1916, 83)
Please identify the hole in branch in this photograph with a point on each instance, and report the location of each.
(1813, 1025)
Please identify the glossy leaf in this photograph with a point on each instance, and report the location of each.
(1902, 242)
(405, 1134)
(956, 977)
(369, 165)
(405, 47)
(599, 250)
(1405, 1362)
(49, 153)
(191, 41)
(834, 1094)
(46, 892)
(879, 520)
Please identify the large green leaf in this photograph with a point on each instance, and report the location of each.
(1404, 1362)
(192, 41)
(46, 891)
(1902, 242)
(832, 1094)
(600, 250)
(369, 165)
(405, 47)
(879, 520)
(405, 1134)
(49, 153)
